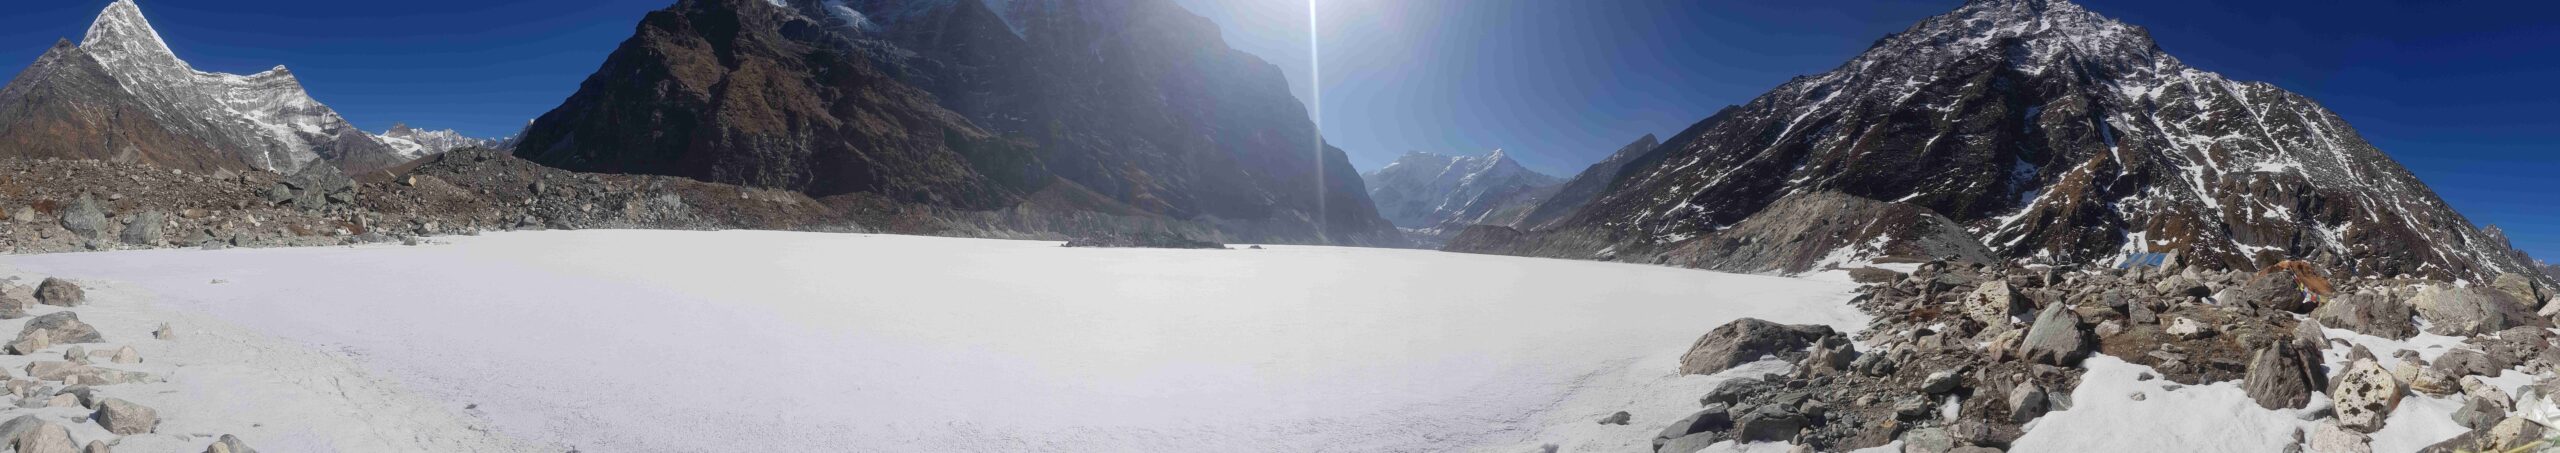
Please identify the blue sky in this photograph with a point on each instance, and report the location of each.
(2459, 90)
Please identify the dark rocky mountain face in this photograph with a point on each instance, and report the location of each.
(1425, 190)
(1127, 108)
(2052, 133)
(1138, 100)
(743, 92)
(122, 95)
(1586, 186)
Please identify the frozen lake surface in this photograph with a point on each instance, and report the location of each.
(773, 341)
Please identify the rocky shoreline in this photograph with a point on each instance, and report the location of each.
(57, 205)
(1960, 357)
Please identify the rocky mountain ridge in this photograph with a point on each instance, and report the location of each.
(121, 94)
(2053, 134)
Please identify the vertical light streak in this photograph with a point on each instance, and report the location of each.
(1315, 78)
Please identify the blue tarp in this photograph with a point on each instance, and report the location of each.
(2143, 260)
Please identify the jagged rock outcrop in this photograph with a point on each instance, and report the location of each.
(2053, 133)
(122, 95)
(1132, 109)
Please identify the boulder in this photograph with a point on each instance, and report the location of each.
(96, 446)
(2369, 314)
(2283, 376)
(2273, 291)
(60, 293)
(2308, 334)
(18, 427)
(229, 444)
(1768, 423)
(2331, 438)
(1692, 443)
(2026, 403)
(1747, 340)
(2056, 339)
(2522, 287)
(46, 437)
(1994, 303)
(60, 328)
(2187, 329)
(2458, 363)
(1716, 418)
(12, 307)
(2462, 312)
(1620, 418)
(2364, 396)
(1733, 391)
(1942, 382)
(2478, 413)
(145, 230)
(84, 219)
(1928, 440)
(126, 355)
(125, 418)
(2183, 286)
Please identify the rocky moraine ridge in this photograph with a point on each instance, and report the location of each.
(1961, 356)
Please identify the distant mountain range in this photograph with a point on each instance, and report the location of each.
(412, 143)
(1051, 112)
(2051, 133)
(121, 94)
(1432, 193)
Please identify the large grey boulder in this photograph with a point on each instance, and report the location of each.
(2522, 287)
(1747, 340)
(2462, 312)
(46, 437)
(1715, 419)
(2364, 396)
(145, 229)
(2056, 339)
(231, 444)
(2273, 291)
(2331, 438)
(63, 328)
(1994, 303)
(84, 218)
(2369, 314)
(2284, 375)
(125, 418)
(60, 293)
(1768, 423)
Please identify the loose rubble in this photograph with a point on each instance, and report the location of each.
(1962, 357)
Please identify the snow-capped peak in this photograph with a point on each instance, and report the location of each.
(121, 34)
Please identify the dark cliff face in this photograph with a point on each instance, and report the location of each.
(1138, 100)
(739, 91)
(2054, 133)
(949, 104)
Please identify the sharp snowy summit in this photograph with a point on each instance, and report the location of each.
(2051, 133)
(121, 94)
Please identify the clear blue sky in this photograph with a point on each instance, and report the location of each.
(2459, 90)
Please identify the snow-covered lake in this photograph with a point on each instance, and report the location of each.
(769, 341)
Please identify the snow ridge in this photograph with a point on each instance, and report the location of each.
(279, 125)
